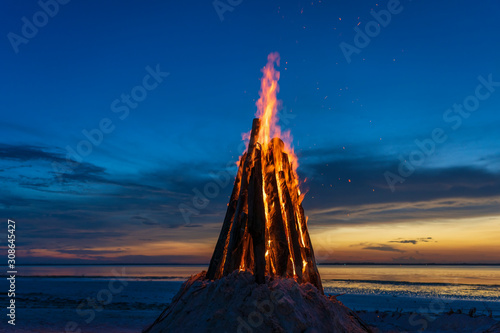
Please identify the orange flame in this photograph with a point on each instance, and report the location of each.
(269, 165)
(267, 110)
(267, 105)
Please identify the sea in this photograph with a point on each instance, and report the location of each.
(126, 298)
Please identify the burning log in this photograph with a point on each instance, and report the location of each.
(257, 220)
(291, 181)
(265, 229)
(308, 254)
(293, 236)
(217, 261)
(246, 249)
(234, 249)
(237, 259)
(277, 240)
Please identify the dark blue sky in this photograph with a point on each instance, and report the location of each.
(349, 120)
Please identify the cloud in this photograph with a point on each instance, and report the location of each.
(96, 204)
(91, 252)
(328, 181)
(403, 212)
(406, 241)
(383, 247)
(377, 247)
(75, 175)
(145, 220)
(126, 259)
(47, 160)
(412, 241)
(28, 152)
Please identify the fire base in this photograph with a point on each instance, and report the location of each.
(235, 303)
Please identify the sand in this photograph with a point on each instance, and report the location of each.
(236, 303)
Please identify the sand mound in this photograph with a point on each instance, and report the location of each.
(236, 303)
(494, 329)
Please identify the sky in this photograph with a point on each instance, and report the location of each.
(121, 124)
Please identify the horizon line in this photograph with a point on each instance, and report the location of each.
(206, 264)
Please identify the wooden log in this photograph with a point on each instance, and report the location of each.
(293, 190)
(277, 233)
(311, 268)
(257, 220)
(291, 224)
(217, 261)
(282, 165)
(254, 135)
(249, 255)
(236, 257)
(278, 147)
(246, 255)
(239, 223)
(291, 181)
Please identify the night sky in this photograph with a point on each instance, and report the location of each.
(118, 116)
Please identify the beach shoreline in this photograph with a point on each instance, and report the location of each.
(49, 303)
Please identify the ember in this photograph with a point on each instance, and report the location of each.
(265, 229)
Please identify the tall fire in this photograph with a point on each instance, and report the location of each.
(264, 239)
(265, 229)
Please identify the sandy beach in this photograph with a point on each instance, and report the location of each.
(58, 304)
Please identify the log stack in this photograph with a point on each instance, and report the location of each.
(265, 229)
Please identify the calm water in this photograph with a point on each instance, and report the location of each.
(466, 282)
(459, 282)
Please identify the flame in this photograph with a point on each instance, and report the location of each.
(267, 105)
(269, 165)
(267, 110)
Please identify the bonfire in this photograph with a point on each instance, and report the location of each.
(263, 249)
(265, 229)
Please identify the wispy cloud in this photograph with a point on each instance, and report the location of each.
(412, 241)
(145, 220)
(377, 247)
(401, 212)
(383, 247)
(28, 152)
(145, 204)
